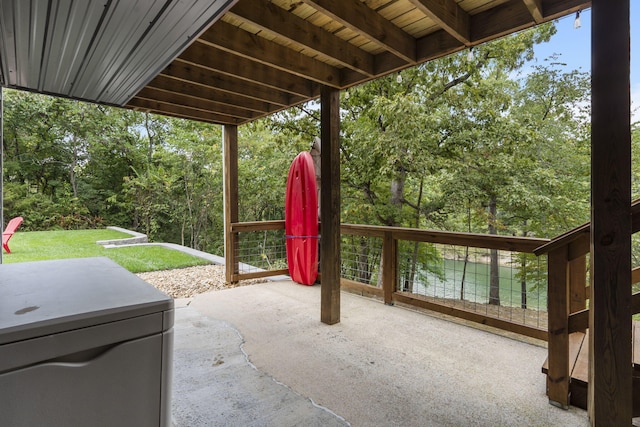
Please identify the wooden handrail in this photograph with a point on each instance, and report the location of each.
(579, 236)
(239, 227)
(476, 240)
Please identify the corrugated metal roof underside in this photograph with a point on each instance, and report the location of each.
(97, 50)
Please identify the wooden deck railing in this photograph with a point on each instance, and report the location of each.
(389, 290)
(569, 290)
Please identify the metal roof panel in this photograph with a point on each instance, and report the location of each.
(103, 51)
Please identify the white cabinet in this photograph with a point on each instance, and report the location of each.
(83, 342)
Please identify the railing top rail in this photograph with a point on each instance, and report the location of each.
(476, 240)
(238, 227)
(565, 239)
(583, 231)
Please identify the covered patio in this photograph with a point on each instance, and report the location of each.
(231, 62)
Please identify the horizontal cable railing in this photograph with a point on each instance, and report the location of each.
(259, 250)
(451, 273)
(490, 279)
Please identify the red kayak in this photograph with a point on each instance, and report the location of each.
(301, 220)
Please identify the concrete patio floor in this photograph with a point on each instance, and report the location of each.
(259, 356)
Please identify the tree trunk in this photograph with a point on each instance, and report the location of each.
(364, 270)
(494, 272)
(466, 253)
(72, 169)
(414, 260)
(523, 274)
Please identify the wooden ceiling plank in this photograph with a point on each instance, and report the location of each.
(196, 91)
(180, 112)
(449, 15)
(358, 17)
(535, 8)
(192, 73)
(152, 94)
(278, 21)
(255, 48)
(215, 59)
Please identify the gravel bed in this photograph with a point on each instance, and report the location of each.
(190, 281)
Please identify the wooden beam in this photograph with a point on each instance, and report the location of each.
(499, 21)
(279, 22)
(192, 73)
(535, 9)
(230, 164)
(448, 15)
(358, 17)
(212, 58)
(330, 205)
(182, 112)
(168, 84)
(610, 348)
(260, 50)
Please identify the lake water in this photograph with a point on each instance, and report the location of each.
(476, 285)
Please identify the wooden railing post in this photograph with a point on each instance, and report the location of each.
(230, 164)
(558, 376)
(389, 266)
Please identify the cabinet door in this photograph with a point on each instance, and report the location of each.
(116, 385)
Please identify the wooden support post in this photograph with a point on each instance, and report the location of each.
(389, 267)
(230, 160)
(558, 376)
(610, 353)
(330, 206)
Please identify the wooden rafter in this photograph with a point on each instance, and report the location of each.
(535, 8)
(449, 15)
(279, 22)
(358, 17)
(180, 112)
(223, 62)
(255, 48)
(174, 98)
(188, 72)
(168, 84)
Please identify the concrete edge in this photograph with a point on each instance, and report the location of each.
(136, 239)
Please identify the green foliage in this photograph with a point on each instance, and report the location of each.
(73, 165)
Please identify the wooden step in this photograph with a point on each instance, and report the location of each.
(579, 368)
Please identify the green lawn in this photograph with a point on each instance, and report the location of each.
(46, 245)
